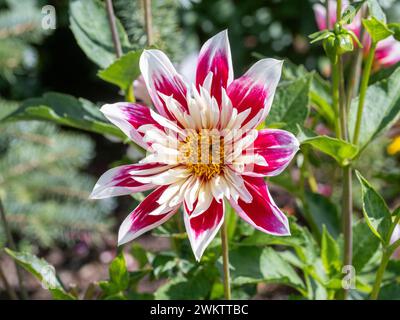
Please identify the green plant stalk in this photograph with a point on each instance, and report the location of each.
(338, 10)
(347, 215)
(363, 91)
(335, 98)
(12, 245)
(387, 253)
(354, 80)
(225, 260)
(355, 72)
(130, 94)
(347, 209)
(113, 28)
(379, 274)
(148, 22)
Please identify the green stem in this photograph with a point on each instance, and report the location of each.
(379, 275)
(335, 98)
(347, 195)
(130, 94)
(363, 91)
(113, 28)
(148, 21)
(347, 215)
(387, 253)
(12, 245)
(338, 9)
(355, 72)
(225, 259)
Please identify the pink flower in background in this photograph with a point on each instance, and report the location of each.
(387, 52)
(202, 146)
(140, 91)
(394, 238)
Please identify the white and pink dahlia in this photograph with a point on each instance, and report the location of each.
(202, 146)
(387, 52)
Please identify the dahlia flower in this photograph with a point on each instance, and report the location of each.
(202, 146)
(387, 52)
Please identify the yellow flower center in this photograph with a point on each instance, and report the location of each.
(203, 153)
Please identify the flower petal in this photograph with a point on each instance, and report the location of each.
(262, 213)
(141, 220)
(277, 147)
(387, 52)
(202, 229)
(215, 57)
(129, 117)
(161, 77)
(121, 180)
(256, 88)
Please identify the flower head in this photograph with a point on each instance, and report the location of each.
(202, 146)
(387, 51)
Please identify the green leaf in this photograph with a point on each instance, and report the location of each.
(330, 253)
(140, 254)
(386, 95)
(123, 71)
(90, 26)
(351, 11)
(376, 29)
(253, 265)
(42, 271)
(395, 28)
(301, 240)
(365, 245)
(390, 292)
(376, 212)
(320, 35)
(198, 286)
(338, 149)
(291, 103)
(119, 275)
(66, 110)
(322, 212)
(320, 91)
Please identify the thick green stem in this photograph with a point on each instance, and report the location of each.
(347, 195)
(363, 91)
(338, 9)
(12, 245)
(347, 216)
(225, 260)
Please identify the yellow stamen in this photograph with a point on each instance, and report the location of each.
(203, 153)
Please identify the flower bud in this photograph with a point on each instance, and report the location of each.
(344, 43)
(330, 48)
